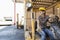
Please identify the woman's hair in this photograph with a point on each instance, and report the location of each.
(57, 18)
(54, 17)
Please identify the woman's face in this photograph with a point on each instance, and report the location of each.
(48, 24)
(50, 19)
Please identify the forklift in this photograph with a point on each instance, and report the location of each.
(30, 16)
(29, 27)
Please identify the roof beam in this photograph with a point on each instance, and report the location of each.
(53, 5)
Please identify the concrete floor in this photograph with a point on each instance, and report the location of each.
(11, 33)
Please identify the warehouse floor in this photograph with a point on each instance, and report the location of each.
(11, 33)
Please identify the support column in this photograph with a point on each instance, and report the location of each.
(14, 12)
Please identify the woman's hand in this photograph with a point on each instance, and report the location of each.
(48, 24)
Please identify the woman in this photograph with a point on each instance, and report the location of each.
(53, 20)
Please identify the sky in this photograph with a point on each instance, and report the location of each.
(7, 9)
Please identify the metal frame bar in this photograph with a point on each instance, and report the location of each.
(43, 4)
(53, 10)
(14, 12)
(43, 1)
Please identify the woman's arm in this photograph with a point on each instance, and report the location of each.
(38, 26)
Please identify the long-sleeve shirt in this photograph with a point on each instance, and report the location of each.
(43, 21)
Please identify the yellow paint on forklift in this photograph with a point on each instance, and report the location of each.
(33, 30)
